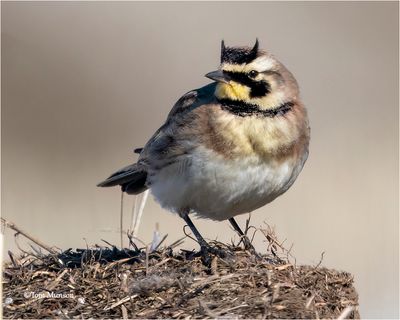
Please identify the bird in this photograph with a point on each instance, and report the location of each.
(227, 148)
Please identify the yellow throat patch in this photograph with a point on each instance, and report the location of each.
(232, 91)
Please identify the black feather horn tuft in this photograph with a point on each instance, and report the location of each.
(238, 55)
(254, 51)
(222, 50)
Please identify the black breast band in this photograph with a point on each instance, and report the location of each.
(244, 109)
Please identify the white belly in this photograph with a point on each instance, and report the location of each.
(218, 188)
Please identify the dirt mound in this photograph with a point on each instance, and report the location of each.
(167, 283)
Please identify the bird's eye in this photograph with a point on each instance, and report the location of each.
(253, 73)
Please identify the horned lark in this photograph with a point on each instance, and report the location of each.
(227, 148)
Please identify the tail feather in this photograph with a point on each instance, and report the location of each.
(132, 179)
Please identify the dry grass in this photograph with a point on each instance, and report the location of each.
(135, 283)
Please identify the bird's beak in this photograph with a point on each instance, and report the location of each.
(218, 76)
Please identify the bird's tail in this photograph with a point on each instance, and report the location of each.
(132, 179)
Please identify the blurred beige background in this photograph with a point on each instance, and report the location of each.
(85, 83)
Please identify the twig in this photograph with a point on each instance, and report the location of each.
(131, 242)
(126, 299)
(147, 259)
(346, 312)
(187, 235)
(160, 243)
(124, 312)
(246, 229)
(177, 243)
(110, 244)
(12, 226)
(206, 310)
(320, 261)
(13, 259)
(231, 309)
(121, 218)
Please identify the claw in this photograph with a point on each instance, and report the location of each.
(205, 256)
(206, 252)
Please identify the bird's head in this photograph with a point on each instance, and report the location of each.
(253, 76)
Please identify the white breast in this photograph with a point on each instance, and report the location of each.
(217, 188)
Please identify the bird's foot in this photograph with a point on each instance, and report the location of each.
(248, 246)
(206, 252)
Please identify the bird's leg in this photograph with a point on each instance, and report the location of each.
(246, 241)
(199, 237)
(205, 248)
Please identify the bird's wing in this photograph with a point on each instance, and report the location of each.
(171, 141)
(173, 138)
(192, 100)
